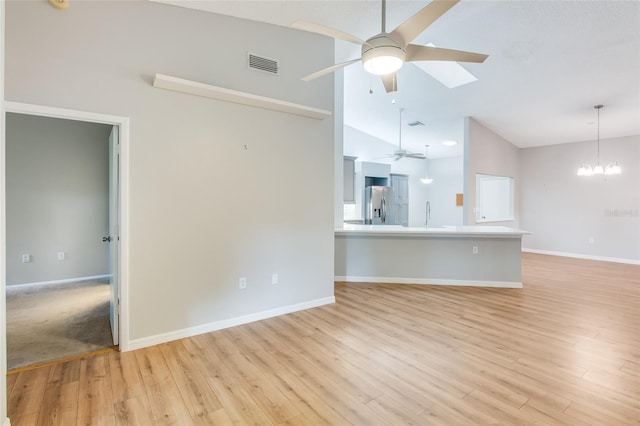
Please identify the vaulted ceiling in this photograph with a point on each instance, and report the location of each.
(549, 63)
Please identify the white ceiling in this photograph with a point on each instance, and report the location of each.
(549, 63)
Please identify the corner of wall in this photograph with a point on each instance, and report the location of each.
(338, 124)
(465, 185)
(3, 328)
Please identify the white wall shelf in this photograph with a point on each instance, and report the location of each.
(176, 84)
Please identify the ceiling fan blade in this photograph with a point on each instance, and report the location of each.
(416, 155)
(390, 82)
(428, 53)
(412, 27)
(329, 70)
(327, 31)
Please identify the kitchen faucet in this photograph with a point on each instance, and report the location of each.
(427, 214)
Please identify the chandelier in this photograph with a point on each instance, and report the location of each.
(610, 169)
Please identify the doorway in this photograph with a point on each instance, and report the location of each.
(115, 237)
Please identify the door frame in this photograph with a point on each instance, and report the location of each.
(123, 127)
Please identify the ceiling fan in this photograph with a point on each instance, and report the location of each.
(385, 53)
(403, 153)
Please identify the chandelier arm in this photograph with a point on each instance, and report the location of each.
(598, 108)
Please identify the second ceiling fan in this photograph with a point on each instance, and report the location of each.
(385, 53)
(400, 153)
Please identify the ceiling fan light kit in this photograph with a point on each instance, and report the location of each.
(383, 63)
(382, 56)
(609, 170)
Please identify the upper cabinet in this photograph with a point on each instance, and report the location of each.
(349, 179)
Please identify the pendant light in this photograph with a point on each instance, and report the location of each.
(426, 179)
(611, 169)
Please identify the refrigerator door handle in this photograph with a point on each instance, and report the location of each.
(384, 209)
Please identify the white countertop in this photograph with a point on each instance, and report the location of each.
(453, 231)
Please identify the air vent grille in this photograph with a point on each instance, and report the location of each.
(416, 123)
(263, 64)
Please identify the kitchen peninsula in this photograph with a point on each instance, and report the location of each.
(485, 256)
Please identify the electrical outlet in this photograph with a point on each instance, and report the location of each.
(475, 249)
(274, 278)
(61, 255)
(242, 283)
(26, 258)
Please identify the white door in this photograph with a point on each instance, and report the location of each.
(114, 232)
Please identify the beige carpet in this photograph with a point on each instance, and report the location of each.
(56, 321)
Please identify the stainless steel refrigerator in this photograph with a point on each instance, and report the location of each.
(379, 206)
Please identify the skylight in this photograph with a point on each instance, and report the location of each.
(451, 74)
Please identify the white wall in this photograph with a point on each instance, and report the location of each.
(57, 198)
(488, 153)
(565, 212)
(446, 172)
(204, 211)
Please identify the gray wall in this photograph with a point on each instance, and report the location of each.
(488, 153)
(429, 259)
(565, 212)
(204, 211)
(57, 198)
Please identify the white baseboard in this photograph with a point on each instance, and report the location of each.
(219, 325)
(65, 281)
(7, 422)
(583, 256)
(427, 281)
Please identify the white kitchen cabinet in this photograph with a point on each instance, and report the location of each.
(400, 185)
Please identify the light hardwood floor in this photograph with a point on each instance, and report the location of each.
(565, 349)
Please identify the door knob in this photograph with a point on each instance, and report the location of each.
(106, 239)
